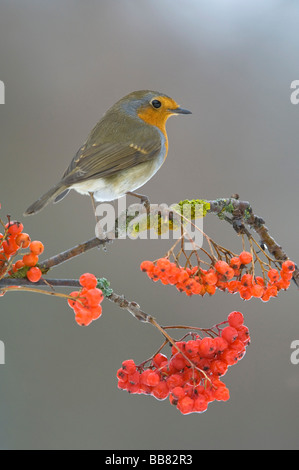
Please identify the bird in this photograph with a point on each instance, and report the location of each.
(123, 151)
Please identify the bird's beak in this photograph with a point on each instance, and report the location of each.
(180, 111)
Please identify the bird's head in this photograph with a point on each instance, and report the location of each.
(152, 107)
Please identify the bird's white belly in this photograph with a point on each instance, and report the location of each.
(115, 186)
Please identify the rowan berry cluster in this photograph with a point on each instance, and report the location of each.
(86, 303)
(11, 242)
(191, 376)
(222, 275)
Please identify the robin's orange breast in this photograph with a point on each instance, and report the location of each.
(153, 119)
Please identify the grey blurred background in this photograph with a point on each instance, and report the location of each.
(64, 63)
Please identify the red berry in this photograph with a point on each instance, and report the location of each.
(133, 388)
(183, 275)
(235, 319)
(9, 246)
(218, 367)
(83, 318)
(178, 392)
(288, 265)
(191, 347)
(121, 375)
(243, 334)
(211, 278)
(222, 393)
(95, 312)
(245, 293)
(230, 356)
(222, 267)
(72, 302)
(185, 405)
(175, 380)
(129, 366)
(283, 284)
(144, 375)
(257, 290)
(210, 289)
(134, 378)
(94, 297)
(88, 280)
(30, 259)
(147, 266)
(229, 273)
(235, 263)
(36, 248)
(179, 344)
(221, 344)
(245, 257)
(14, 228)
(229, 333)
(286, 275)
(122, 385)
(23, 240)
(19, 264)
(178, 361)
(159, 359)
(153, 379)
(163, 263)
(200, 404)
(247, 280)
(233, 286)
(207, 347)
(273, 275)
(34, 274)
(237, 345)
(161, 390)
(260, 281)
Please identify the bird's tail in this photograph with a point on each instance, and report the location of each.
(49, 196)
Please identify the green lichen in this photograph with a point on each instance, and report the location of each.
(20, 273)
(104, 285)
(199, 207)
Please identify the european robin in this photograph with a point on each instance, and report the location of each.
(123, 151)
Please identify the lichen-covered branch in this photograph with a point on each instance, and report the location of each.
(241, 214)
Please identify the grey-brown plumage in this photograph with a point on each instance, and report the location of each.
(121, 141)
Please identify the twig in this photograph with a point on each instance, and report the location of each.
(25, 282)
(242, 214)
(71, 253)
(25, 285)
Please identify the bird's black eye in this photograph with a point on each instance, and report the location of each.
(156, 103)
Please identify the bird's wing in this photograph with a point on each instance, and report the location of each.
(106, 159)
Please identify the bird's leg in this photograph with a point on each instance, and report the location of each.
(93, 202)
(144, 200)
(99, 232)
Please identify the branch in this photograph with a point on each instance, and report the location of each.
(120, 300)
(242, 214)
(71, 253)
